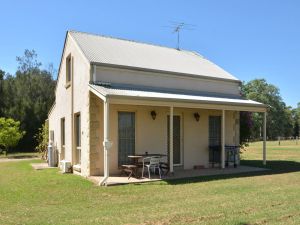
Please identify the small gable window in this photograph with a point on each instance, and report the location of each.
(68, 70)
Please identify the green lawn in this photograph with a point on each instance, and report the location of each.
(48, 197)
(19, 155)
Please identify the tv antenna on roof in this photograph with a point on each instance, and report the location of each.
(177, 27)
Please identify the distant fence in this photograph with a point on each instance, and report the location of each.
(292, 139)
(280, 140)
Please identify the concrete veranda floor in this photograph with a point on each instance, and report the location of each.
(178, 174)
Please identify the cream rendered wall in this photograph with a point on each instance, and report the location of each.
(151, 135)
(81, 76)
(166, 81)
(196, 135)
(196, 138)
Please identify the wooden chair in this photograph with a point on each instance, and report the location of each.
(130, 170)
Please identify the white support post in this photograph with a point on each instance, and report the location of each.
(106, 143)
(223, 141)
(265, 140)
(171, 140)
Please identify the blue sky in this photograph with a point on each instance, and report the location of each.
(248, 38)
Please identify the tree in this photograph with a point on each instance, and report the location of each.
(28, 62)
(10, 133)
(2, 73)
(28, 96)
(288, 126)
(296, 119)
(279, 119)
(246, 125)
(42, 138)
(296, 129)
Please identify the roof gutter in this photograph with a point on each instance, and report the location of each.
(260, 107)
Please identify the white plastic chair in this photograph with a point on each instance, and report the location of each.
(154, 163)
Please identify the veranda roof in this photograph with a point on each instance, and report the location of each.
(141, 93)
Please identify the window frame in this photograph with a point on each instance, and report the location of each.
(77, 130)
(133, 114)
(63, 136)
(69, 70)
(214, 130)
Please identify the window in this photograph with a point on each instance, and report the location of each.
(78, 138)
(62, 130)
(68, 70)
(214, 131)
(126, 131)
(214, 139)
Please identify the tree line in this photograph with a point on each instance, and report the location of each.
(282, 120)
(27, 96)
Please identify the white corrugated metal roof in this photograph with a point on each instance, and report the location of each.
(111, 91)
(119, 52)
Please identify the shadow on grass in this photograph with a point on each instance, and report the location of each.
(274, 167)
(21, 156)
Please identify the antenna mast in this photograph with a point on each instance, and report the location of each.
(177, 30)
(177, 27)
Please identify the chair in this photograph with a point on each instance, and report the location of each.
(131, 170)
(154, 163)
(165, 168)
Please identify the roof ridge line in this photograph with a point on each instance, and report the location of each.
(134, 41)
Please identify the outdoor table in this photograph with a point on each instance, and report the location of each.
(136, 158)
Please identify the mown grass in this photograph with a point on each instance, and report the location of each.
(287, 150)
(48, 197)
(19, 155)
